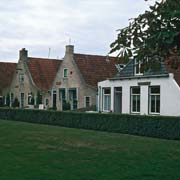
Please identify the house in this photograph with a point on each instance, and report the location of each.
(61, 84)
(76, 81)
(6, 75)
(137, 90)
(31, 80)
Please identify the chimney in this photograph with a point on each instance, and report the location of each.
(69, 50)
(23, 54)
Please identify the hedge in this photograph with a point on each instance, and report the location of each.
(151, 126)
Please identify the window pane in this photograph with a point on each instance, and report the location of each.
(158, 104)
(134, 103)
(107, 91)
(138, 103)
(65, 72)
(136, 90)
(153, 103)
(107, 102)
(155, 90)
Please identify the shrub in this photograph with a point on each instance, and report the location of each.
(152, 126)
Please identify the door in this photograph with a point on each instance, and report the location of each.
(54, 99)
(22, 100)
(73, 98)
(118, 99)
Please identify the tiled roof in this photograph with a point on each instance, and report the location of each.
(96, 68)
(43, 71)
(6, 74)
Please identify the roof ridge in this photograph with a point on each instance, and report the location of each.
(95, 55)
(45, 58)
(8, 62)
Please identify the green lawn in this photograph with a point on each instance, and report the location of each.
(41, 152)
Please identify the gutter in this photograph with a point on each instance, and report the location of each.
(139, 77)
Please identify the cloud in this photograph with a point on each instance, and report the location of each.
(39, 25)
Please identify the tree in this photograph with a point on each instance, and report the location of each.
(153, 33)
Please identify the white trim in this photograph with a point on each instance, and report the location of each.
(154, 94)
(135, 94)
(103, 97)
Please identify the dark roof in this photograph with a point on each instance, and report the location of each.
(43, 71)
(128, 70)
(6, 74)
(96, 68)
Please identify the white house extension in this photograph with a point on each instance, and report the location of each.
(148, 93)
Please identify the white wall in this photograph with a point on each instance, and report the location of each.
(169, 94)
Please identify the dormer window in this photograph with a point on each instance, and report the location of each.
(65, 73)
(138, 68)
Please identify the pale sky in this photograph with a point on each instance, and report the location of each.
(38, 25)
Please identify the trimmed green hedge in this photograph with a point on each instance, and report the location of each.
(152, 126)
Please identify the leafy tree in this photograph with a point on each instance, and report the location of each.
(153, 33)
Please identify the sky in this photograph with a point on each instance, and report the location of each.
(43, 25)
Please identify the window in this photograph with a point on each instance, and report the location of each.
(107, 99)
(65, 73)
(138, 69)
(86, 101)
(21, 78)
(154, 100)
(135, 100)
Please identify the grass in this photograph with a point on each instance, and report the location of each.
(41, 152)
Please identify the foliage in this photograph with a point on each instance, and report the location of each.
(153, 33)
(153, 126)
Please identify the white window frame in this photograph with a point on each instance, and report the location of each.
(154, 94)
(139, 63)
(135, 94)
(85, 101)
(109, 97)
(65, 69)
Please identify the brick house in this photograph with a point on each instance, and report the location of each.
(77, 78)
(72, 80)
(31, 79)
(6, 75)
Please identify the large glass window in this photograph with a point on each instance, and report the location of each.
(135, 99)
(107, 99)
(154, 100)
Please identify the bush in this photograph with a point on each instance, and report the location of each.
(152, 126)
